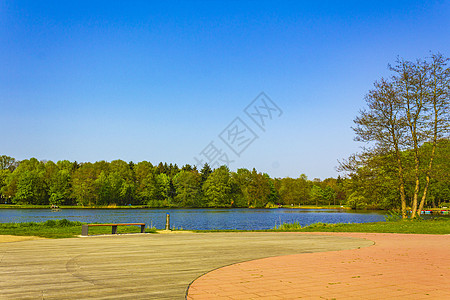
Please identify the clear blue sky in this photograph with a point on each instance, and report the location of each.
(160, 80)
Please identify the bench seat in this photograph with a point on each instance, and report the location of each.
(85, 228)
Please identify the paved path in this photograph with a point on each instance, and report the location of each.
(139, 266)
(398, 266)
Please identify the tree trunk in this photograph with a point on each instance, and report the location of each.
(400, 177)
(436, 121)
(402, 187)
(427, 184)
(414, 212)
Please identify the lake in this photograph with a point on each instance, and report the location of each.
(196, 219)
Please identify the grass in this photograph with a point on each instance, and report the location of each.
(67, 229)
(432, 226)
(316, 206)
(61, 229)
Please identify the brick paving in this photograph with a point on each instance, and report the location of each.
(397, 266)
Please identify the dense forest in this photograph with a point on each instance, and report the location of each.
(372, 185)
(164, 185)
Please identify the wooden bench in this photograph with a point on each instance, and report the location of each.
(85, 228)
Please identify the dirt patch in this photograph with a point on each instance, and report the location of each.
(16, 238)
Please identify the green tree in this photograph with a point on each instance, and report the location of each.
(274, 196)
(30, 188)
(84, 186)
(122, 181)
(329, 195)
(187, 186)
(357, 201)
(7, 166)
(163, 184)
(205, 172)
(239, 183)
(59, 187)
(145, 182)
(26, 185)
(187, 167)
(404, 112)
(294, 191)
(3, 176)
(316, 194)
(258, 190)
(7, 163)
(216, 188)
(111, 189)
(440, 179)
(438, 86)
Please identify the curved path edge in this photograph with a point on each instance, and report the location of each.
(148, 266)
(269, 257)
(396, 266)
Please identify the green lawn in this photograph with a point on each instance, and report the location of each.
(66, 229)
(433, 226)
(61, 229)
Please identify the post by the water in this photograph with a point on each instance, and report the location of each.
(167, 221)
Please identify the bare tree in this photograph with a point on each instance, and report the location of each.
(438, 94)
(410, 83)
(384, 125)
(404, 112)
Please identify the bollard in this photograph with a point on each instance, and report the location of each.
(167, 221)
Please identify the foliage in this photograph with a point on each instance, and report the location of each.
(216, 188)
(121, 184)
(356, 201)
(393, 215)
(289, 227)
(7, 163)
(258, 189)
(187, 186)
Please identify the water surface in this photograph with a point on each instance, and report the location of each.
(192, 219)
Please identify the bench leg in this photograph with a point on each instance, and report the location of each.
(84, 230)
(114, 230)
(142, 228)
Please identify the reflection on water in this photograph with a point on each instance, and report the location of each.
(190, 219)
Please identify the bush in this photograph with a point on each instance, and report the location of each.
(50, 223)
(66, 223)
(60, 223)
(289, 226)
(393, 215)
(356, 201)
(321, 225)
(271, 205)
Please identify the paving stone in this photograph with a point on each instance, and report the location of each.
(385, 270)
(141, 266)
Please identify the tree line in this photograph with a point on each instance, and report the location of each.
(164, 185)
(372, 184)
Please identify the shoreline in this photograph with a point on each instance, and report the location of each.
(131, 207)
(19, 206)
